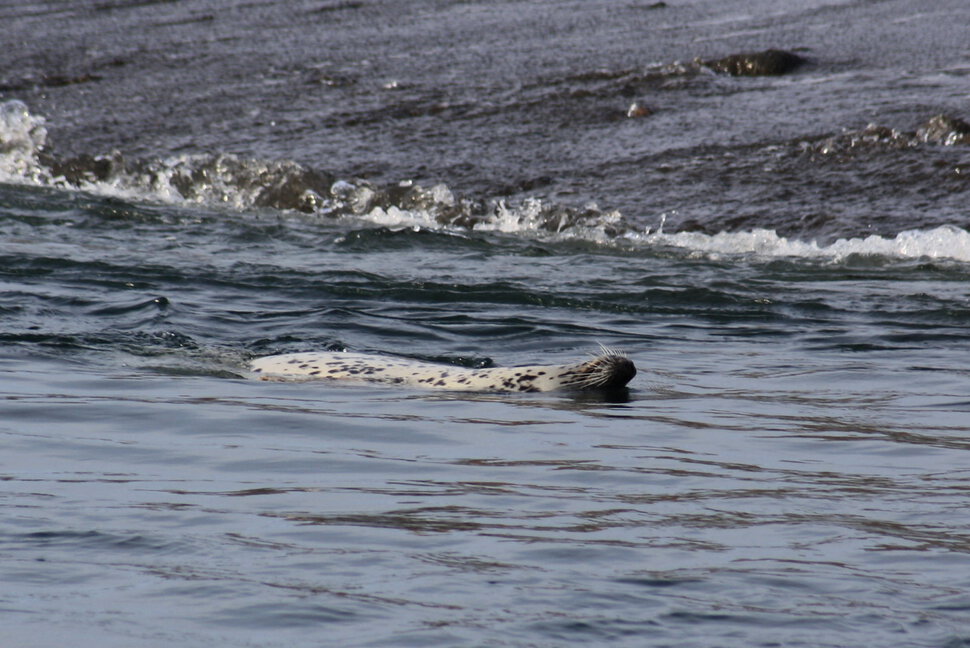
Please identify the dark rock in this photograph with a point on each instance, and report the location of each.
(944, 130)
(83, 168)
(872, 135)
(768, 63)
(638, 109)
(297, 188)
(941, 130)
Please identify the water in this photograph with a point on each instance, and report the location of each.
(789, 466)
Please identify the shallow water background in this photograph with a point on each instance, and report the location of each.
(790, 466)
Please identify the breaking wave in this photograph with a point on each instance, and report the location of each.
(237, 183)
(945, 242)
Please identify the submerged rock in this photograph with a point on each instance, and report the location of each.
(83, 168)
(768, 63)
(944, 130)
(294, 187)
(940, 130)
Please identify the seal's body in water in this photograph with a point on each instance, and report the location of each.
(609, 370)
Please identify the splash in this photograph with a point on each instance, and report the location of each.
(22, 136)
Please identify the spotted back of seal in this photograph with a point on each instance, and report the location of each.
(609, 370)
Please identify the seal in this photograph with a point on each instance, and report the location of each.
(608, 370)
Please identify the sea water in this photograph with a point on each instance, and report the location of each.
(787, 468)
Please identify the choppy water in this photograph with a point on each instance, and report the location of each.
(790, 466)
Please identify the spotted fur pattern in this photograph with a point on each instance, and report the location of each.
(607, 370)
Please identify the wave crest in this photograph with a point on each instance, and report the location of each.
(944, 242)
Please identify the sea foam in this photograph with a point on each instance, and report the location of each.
(944, 242)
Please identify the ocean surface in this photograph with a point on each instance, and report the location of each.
(187, 185)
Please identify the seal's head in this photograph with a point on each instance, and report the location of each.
(610, 370)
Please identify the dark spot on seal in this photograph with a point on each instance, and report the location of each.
(315, 373)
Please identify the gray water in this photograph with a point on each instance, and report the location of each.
(188, 185)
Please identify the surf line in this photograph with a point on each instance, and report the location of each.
(608, 370)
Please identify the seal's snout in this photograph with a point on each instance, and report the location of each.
(609, 371)
(617, 371)
(623, 371)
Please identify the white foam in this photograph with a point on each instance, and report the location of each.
(944, 242)
(507, 220)
(531, 217)
(22, 136)
(395, 217)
